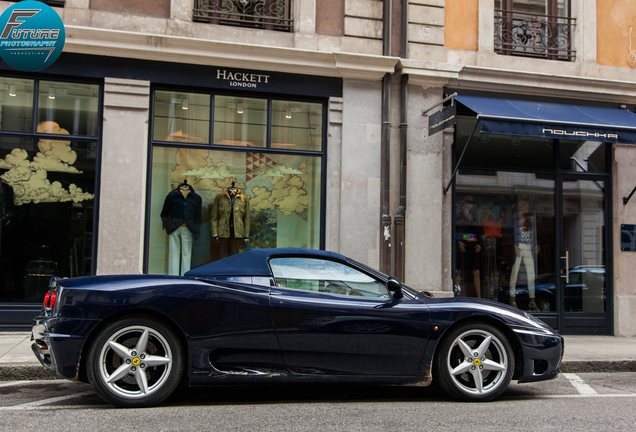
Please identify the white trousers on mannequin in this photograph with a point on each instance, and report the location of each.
(528, 262)
(179, 251)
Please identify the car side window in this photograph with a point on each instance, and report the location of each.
(311, 274)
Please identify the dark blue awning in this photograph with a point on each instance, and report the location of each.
(550, 120)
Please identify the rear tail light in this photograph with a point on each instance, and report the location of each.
(49, 297)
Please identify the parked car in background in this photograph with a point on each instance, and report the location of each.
(585, 290)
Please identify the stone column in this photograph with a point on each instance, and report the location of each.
(122, 199)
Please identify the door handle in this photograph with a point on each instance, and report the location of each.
(567, 267)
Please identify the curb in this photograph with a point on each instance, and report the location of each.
(598, 366)
(22, 372)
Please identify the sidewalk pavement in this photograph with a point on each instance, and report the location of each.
(582, 354)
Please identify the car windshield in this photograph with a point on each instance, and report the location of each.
(410, 291)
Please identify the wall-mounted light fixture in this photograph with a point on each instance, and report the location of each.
(239, 109)
(12, 91)
(51, 93)
(184, 104)
(288, 114)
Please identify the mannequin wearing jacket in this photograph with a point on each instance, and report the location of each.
(230, 221)
(181, 217)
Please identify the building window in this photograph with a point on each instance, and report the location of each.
(48, 151)
(261, 14)
(271, 150)
(535, 28)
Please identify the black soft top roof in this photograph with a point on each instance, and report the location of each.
(254, 262)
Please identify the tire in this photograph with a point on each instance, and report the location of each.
(475, 362)
(135, 362)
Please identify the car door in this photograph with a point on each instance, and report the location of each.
(331, 318)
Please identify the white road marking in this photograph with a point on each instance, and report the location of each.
(39, 404)
(583, 388)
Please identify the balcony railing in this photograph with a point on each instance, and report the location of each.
(262, 14)
(531, 35)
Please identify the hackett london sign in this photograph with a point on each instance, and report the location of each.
(242, 79)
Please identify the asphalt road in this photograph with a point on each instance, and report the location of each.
(572, 402)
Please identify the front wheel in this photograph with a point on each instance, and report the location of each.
(135, 362)
(474, 362)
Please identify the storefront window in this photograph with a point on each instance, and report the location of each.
(67, 108)
(240, 121)
(16, 99)
(296, 125)
(181, 117)
(283, 190)
(505, 237)
(48, 191)
(583, 156)
(257, 185)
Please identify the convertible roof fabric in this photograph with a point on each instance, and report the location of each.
(255, 262)
(551, 120)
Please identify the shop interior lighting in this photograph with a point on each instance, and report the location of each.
(239, 109)
(51, 93)
(288, 114)
(12, 90)
(184, 104)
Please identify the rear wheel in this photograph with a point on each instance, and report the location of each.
(475, 362)
(135, 362)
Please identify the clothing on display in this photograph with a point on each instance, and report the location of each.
(230, 221)
(181, 216)
(525, 246)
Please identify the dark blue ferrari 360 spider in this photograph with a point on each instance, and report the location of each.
(279, 316)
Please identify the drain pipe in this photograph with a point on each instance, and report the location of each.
(400, 215)
(385, 145)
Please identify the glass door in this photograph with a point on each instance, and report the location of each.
(584, 293)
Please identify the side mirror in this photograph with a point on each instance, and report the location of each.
(395, 286)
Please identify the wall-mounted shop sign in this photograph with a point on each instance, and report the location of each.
(199, 76)
(242, 79)
(628, 238)
(442, 119)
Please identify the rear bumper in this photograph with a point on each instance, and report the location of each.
(542, 356)
(60, 351)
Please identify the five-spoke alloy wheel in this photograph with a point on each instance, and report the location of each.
(475, 362)
(135, 362)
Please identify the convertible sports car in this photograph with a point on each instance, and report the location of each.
(278, 316)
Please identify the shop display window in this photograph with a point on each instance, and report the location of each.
(284, 193)
(258, 184)
(296, 125)
(504, 238)
(67, 108)
(181, 117)
(240, 121)
(47, 184)
(16, 99)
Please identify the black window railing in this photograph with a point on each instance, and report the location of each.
(263, 14)
(532, 35)
(58, 3)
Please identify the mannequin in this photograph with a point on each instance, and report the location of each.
(469, 244)
(526, 248)
(181, 217)
(230, 221)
